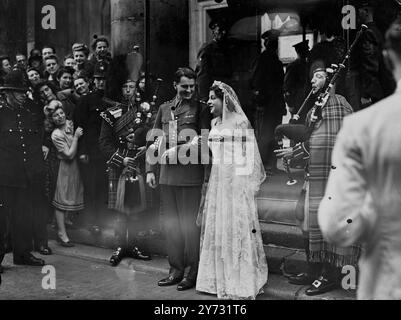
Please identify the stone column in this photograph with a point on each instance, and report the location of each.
(127, 25)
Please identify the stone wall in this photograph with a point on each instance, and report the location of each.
(13, 36)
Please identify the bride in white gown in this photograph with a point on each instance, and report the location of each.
(232, 260)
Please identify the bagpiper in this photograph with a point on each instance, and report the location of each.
(123, 142)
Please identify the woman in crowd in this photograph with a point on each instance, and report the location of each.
(83, 66)
(232, 260)
(33, 76)
(65, 79)
(68, 195)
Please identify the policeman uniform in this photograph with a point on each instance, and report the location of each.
(127, 199)
(22, 169)
(180, 187)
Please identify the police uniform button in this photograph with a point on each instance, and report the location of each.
(22, 138)
(20, 130)
(18, 115)
(24, 160)
(1, 205)
(23, 145)
(24, 152)
(11, 130)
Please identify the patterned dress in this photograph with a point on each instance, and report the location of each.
(69, 193)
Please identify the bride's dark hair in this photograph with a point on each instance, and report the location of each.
(220, 94)
(217, 91)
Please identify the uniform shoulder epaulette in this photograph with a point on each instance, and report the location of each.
(167, 102)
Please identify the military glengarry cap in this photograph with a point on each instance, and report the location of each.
(270, 34)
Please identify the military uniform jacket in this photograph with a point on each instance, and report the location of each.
(87, 116)
(188, 115)
(21, 137)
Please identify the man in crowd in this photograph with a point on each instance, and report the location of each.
(296, 83)
(180, 183)
(100, 46)
(368, 81)
(21, 60)
(22, 169)
(81, 85)
(93, 163)
(47, 51)
(267, 83)
(214, 62)
(362, 200)
(52, 67)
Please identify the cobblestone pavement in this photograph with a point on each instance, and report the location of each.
(84, 272)
(89, 278)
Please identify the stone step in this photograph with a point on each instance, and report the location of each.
(278, 257)
(281, 235)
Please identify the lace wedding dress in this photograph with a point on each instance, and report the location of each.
(232, 260)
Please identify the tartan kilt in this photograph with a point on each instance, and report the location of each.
(141, 198)
(322, 143)
(114, 175)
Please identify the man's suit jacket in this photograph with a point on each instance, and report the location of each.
(362, 203)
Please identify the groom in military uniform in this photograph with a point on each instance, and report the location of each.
(180, 183)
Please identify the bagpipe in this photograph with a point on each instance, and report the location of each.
(299, 133)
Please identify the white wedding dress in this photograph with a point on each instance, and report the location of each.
(232, 260)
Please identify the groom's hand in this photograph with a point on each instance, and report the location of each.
(151, 180)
